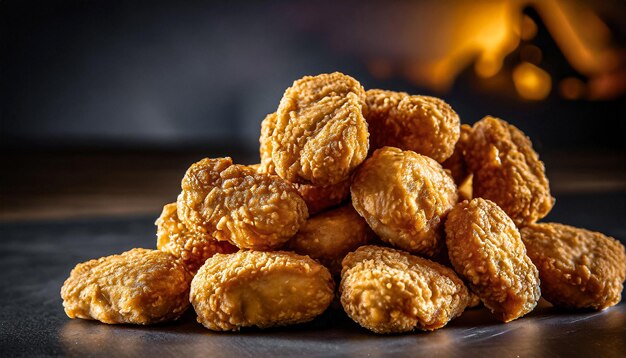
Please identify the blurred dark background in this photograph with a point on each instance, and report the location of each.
(103, 104)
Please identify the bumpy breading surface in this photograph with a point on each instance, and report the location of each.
(263, 289)
(237, 204)
(456, 163)
(486, 249)
(320, 134)
(404, 197)
(578, 268)
(319, 198)
(387, 290)
(426, 125)
(329, 236)
(138, 286)
(265, 144)
(508, 171)
(193, 248)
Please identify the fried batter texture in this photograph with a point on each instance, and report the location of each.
(265, 148)
(456, 163)
(138, 286)
(320, 198)
(327, 237)
(486, 249)
(404, 196)
(320, 135)
(508, 171)
(578, 268)
(235, 203)
(387, 290)
(425, 125)
(193, 248)
(263, 289)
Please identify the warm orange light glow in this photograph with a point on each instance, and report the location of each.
(531, 53)
(529, 28)
(447, 37)
(531, 82)
(572, 88)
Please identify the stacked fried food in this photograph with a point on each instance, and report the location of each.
(384, 195)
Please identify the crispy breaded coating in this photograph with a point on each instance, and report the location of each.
(508, 171)
(193, 248)
(235, 203)
(404, 196)
(387, 290)
(486, 249)
(263, 289)
(456, 163)
(138, 286)
(327, 237)
(425, 125)
(320, 135)
(320, 198)
(265, 148)
(578, 268)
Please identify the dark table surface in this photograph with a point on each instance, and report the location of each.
(37, 256)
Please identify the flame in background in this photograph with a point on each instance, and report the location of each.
(484, 32)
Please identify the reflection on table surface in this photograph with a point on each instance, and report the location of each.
(545, 332)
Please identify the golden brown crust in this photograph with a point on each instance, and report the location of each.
(265, 147)
(320, 198)
(387, 290)
(263, 289)
(320, 135)
(138, 286)
(508, 171)
(456, 163)
(329, 236)
(404, 196)
(425, 125)
(237, 204)
(192, 248)
(486, 249)
(578, 268)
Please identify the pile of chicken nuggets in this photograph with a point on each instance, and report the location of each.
(413, 216)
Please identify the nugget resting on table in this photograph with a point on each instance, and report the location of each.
(328, 236)
(237, 204)
(192, 247)
(387, 290)
(320, 135)
(578, 268)
(138, 286)
(507, 170)
(263, 289)
(404, 197)
(486, 249)
(425, 125)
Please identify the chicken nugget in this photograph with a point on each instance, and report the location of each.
(508, 171)
(578, 268)
(263, 289)
(320, 198)
(387, 290)
(235, 203)
(456, 163)
(327, 237)
(192, 247)
(139, 286)
(320, 135)
(425, 125)
(486, 249)
(265, 148)
(404, 196)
